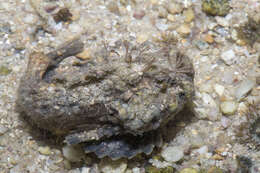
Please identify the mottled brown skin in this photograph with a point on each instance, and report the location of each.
(109, 95)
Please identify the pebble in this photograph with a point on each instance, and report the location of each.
(208, 38)
(84, 55)
(30, 19)
(225, 122)
(189, 170)
(208, 100)
(222, 21)
(161, 26)
(228, 107)
(244, 88)
(162, 12)
(138, 170)
(3, 130)
(45, 150)
(214, 169)
(4, 71)
(228, 57)
(108, 165)
(174, 8)
(85, 170)
(141, 38)
(202, 150)
(196, 141)
(202, 45)
(171, 17)
(128, 171)
(172, 153)
(219, 89)
(184, 29)
(228, 77)
(113, 7)
(189, 15)
(72, 153)
(139, 14)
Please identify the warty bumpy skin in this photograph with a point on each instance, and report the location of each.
(108, 95)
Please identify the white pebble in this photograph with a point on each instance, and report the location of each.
(228, 57)
(208, 100)
(228, 107)
(44, 150)
(3, 130)
(244, 88)
(172, 153)
(30, 19)
(108, 165)
(219, 89)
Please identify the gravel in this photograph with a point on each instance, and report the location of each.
(172, 153)
(226, 67)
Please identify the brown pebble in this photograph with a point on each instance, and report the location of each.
(63, 15)
(84, 55)
(208, 38)
(217, 157)
(139, 14)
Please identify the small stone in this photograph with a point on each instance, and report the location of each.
(225, 122)
(72, 153)
(139, 14)
(208, 100)
(161, 26)
(85, 170)
(202, 150)
(152, 169)
(113, 7)
(217, 157)
(63, 15)
(189, 15)
(216, 7)
(171, 17)
(174, 8)
(30, 19)
(214, 169)
(189, 170)
(202, 45)
(44, 150)
(162, 12)
(4, 71)
(3, 130)
(128, 171)
(208, 38)
(184, 29)
(206, 87)
(228, 107)
(219, 89)
(84, 55)
(141, 38)
(108, 165)
(228, 57)
(244, 88)
(196, 141)
(172, 153)
(154, 2)
(222, 21)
